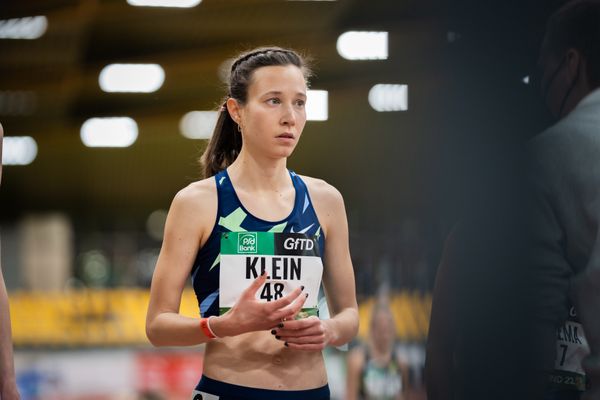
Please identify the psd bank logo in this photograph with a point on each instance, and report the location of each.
(247, 243)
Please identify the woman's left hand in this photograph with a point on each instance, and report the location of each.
(310, 333)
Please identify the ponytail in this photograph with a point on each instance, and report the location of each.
(224, 145)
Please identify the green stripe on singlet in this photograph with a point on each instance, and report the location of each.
(304, 313)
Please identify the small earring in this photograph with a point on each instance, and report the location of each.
(239, 128)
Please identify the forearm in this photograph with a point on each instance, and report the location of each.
(343, 327)
(172, 329)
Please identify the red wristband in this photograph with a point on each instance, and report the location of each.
(206, 329)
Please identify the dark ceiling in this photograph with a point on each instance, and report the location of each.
(407, 163)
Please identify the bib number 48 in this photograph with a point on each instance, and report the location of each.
(272, 291)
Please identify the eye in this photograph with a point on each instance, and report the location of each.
(274, 100)
(300, 103)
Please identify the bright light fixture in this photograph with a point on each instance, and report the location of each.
(198, 124)
(140, 78)
(357, 45)
(18, 150)
(386, 97)
(317, 106)
(165, 3)
(526, 80)
(23, 28)
(109, 132)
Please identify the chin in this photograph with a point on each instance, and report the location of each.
(285, 153)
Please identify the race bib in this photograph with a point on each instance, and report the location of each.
(197, 395)
(290, 260)
(571, 349)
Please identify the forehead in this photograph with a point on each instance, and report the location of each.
(280, 78)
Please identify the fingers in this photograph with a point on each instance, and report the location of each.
(286, 300)
(255, 285)
(260, 315)
(310, 334)
(313, 338)
(301, 327)
(290, 311)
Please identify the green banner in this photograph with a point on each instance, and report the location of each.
(248, 243)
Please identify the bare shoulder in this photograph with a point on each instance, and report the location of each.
(196, 202)
(196, 193)
(323, 193)
(327, 201)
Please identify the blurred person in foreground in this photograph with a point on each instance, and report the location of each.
(566, 179)
(8, 385)
(375, 370)
(252, 236)
(510, 306)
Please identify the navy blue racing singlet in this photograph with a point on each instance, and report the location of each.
(232, 216)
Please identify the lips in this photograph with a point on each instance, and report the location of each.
(286, 136)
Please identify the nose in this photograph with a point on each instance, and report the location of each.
(288, 116)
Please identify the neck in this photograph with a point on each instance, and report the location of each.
(259, 173)
(581, 89)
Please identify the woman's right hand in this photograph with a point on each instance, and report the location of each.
(249, 314)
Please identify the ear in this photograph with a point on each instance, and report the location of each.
(574, 61)
(234, 109)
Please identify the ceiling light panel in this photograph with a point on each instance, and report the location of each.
(109, 132)
(317, 105)
(133, 78)
(23, 28)
(198, 124)
(18, 150)
(165, 3)
(388, 97)
(358, 45)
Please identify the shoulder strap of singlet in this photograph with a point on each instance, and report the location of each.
(228, 200)
(301, 192)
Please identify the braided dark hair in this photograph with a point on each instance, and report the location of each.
(226, 142)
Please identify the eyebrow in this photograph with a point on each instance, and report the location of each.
(278, 93)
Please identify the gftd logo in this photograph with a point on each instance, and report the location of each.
(247, 243)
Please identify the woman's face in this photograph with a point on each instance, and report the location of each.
(274, 115)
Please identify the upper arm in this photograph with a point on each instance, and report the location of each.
(338, 273)
(189, 222)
